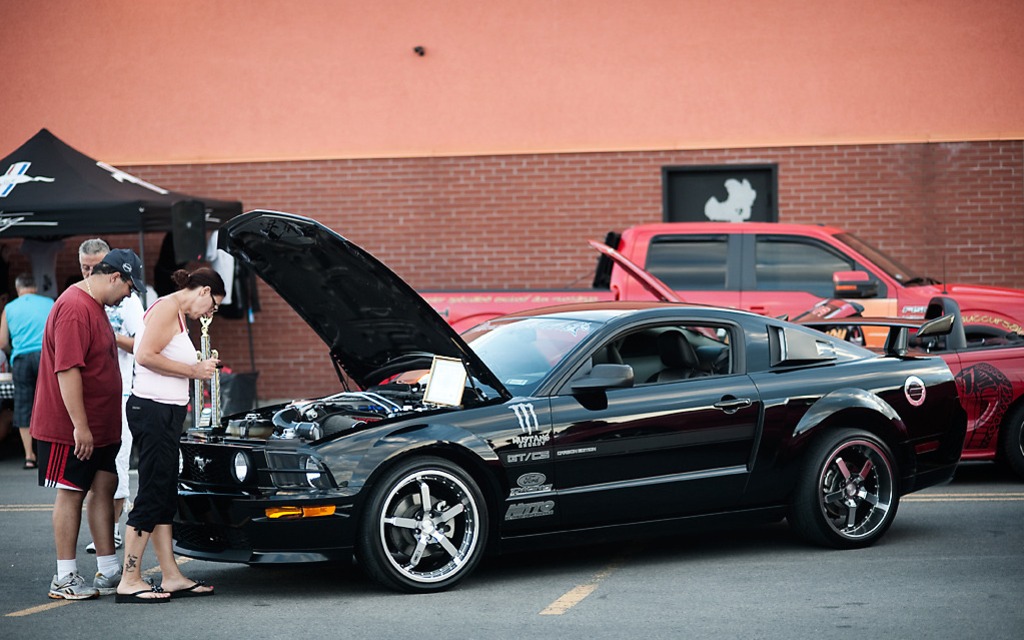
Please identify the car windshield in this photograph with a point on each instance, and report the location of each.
(522, 351)
(891, 266)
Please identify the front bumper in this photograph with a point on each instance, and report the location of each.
(224, 527)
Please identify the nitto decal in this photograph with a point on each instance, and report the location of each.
(915, 391)
(527, 418)
(985, 392)
(913, 311)
(523, 510)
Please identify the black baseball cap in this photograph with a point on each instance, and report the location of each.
(127, 263)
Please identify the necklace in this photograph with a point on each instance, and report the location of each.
(89, 287)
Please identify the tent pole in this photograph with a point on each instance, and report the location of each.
(142, 256)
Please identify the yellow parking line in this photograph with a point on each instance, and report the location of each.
(965, 497)
(60, 603)
(25, 507)
(39, 609)
(574, 596)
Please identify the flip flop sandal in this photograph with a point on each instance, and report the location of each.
(191, 591)
(136, 598)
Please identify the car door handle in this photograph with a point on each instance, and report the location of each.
(732, 405)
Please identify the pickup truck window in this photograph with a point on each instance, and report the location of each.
(694, 263)
(893, 267)
(792, 264)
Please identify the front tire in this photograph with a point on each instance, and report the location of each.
(424, 528)
(847, 493)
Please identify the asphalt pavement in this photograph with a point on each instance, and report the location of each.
(952, 566)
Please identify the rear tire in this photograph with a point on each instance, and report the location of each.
(1012, 441)
(847, 495)
(424, 528)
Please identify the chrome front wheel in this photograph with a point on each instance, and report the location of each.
(425, 527)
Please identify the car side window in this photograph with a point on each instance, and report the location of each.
(668, 353)
(787, 264)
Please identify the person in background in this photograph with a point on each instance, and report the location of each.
(165, 361)
(21, 335)
(77, 420)
(125, 319)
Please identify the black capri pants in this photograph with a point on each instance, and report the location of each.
(156, 429)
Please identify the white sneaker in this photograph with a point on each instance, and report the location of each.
(104, 585)
(72, 587)
(118, 543)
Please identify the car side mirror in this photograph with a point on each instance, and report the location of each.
(604, 376)
(853, 284)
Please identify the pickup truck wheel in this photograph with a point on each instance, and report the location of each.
(846, 496)
(1012, 440)
(424, 527)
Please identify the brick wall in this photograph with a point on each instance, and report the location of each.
(953, 211)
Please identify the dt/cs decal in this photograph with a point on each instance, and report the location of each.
(523, 510)
(915, 391)
(530, 483)
(532, 456)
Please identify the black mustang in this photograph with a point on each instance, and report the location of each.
(557, 426)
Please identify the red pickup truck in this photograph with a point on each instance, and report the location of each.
(768, 268)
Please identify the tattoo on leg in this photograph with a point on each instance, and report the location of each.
(132, 564)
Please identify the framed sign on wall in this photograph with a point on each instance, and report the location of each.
(720, 193)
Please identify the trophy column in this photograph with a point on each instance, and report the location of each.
(200, 418)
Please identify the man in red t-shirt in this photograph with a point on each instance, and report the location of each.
(77, 419)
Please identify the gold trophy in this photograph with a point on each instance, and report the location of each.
(201, 419)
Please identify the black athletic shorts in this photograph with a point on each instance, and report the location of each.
(58, 466)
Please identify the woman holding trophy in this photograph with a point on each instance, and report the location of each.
(165, 362)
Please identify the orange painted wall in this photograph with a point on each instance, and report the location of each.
(241, 80)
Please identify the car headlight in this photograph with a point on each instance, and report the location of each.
(296, 470)
(181, 463)
(240, 467)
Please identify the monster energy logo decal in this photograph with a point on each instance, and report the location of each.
(529, 426)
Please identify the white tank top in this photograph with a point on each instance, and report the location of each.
(157, 386)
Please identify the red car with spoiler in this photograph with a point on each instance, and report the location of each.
(987, 362)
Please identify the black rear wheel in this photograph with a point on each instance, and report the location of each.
(1011, 440)
(847, 494)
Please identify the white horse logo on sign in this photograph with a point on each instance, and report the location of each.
(737, 207)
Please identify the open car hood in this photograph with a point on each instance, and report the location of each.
(373, 322)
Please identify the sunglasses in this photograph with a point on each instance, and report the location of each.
(131, 285)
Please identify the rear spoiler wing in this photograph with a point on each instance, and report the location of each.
(898, 338)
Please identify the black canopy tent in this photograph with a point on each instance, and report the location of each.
(51, 190)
